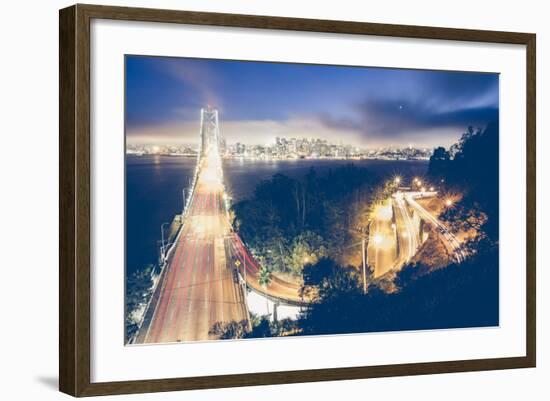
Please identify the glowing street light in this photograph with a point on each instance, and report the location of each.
(377, 239)
(397, 180)
(423, 189)
(431, 189)
(448, 202)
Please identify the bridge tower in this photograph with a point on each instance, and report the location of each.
(210, 130)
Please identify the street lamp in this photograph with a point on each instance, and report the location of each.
(162, 250)
(448, 202)
(183, 196)
(397, 180)
(364, 232)
(363, 254)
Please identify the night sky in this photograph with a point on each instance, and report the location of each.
(258, 101)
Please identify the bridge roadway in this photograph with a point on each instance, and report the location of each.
(197, 287)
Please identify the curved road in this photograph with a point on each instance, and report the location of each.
(278, 289)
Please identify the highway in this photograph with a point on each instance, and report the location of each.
(407, 234)
(381, 250)
(449, 238)
(383, 243)
(197, 287)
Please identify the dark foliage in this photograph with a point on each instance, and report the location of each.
(288, 217)
(262, 327)
(327, 277)
(138, 289)
(472, 168)
(229, 330)
(464, 295)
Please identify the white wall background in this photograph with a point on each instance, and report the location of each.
(29, 185)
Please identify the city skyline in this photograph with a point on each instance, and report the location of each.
(288, 148)
(361, 106)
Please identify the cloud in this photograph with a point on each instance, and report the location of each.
(448, 91)
(395, 117)
(248, 131)
(164, 133)
(437, 103)
(198, 76)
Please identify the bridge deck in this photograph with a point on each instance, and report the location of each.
(197, 288)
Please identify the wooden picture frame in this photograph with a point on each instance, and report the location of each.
(74, 199)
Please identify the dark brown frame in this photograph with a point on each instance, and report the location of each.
(74, 199)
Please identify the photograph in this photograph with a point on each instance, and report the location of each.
(271, 199)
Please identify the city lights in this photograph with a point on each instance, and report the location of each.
(383, 212)
(287, 149)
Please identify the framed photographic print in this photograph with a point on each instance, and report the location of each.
(250, 200)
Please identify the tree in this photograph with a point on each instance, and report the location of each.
(313, 213)
(262, 329)
(327, 277)
(306, 247)
(461, 295)
(473, 170)
(139, 286)
(229, 330)
(439, 163)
